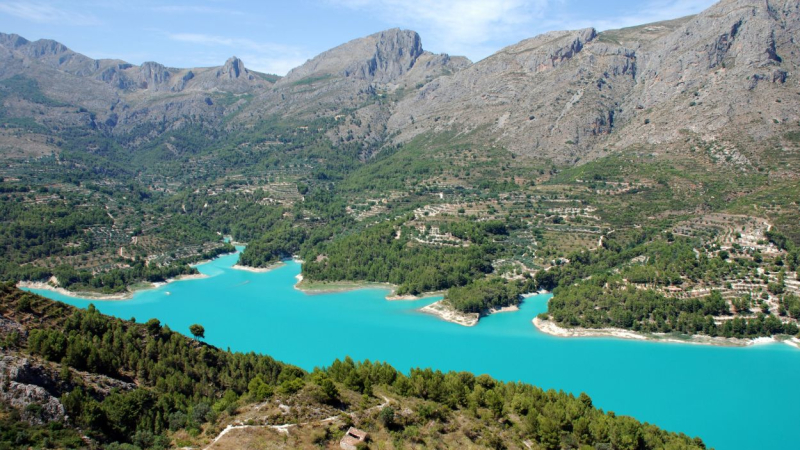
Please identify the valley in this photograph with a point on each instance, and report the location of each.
(646, 177)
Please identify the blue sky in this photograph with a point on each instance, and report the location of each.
(274, 37)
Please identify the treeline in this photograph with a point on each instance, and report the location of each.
(593, 290)
(118, 280)
(112, 281)
(182, 384)
(476, 232)
(604, 302)
(279, 243)
(554, 420)
(242, 216)
(299, 234)
(790, 306)
(382, 254)
(486, 293)
(784, 243)
(30, 231)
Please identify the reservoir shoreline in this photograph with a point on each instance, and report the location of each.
(551, 328)
(265, 313)
(121, 296)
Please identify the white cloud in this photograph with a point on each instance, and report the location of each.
(46, 13)
(260, 56)
(456, 26)
(477, 28)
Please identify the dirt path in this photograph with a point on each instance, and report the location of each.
(285, 427)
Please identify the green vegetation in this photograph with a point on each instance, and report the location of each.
(307, 81)
(198, 331)
(177, 376)
(184, 387)
(440, 212)
(32, 230)
(603, 289)
(487, 293)
(28, 89)
(277, 244)
(381, 254)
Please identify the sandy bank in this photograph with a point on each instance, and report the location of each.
(258, 269)
(450, 314)
(319, 287)
(89, 295)
(551, 328)
(446, 312)
(793, 341)
(512, 308)
(194, 276)
(105, 297)
(394, 297)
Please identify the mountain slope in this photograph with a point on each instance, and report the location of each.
(119, 95)
(563, 96)
(567, 95)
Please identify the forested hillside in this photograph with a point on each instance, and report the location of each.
(102, 382)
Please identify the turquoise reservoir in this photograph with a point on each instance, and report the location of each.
(734, 398)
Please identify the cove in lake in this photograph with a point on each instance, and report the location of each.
(734, 398)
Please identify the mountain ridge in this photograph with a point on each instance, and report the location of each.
(562, 96)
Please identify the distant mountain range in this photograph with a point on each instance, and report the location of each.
(728, 75)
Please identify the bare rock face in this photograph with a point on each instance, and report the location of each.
(120, 95)
(34, 387)
(526, 93)
(567, 96)
(152, 75)
(22, 387)
(8, 326)
(712, 75)
(233, 69)
(356, 75)
(382, 57)
(12, 41)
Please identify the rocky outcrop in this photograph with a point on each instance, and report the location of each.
(565, 96)
(34, 387)
(357, 75)
(8, 326)
(35, 404)
(12, 41)
(738, 37)
(527, 94)
(711, 75)
(233, 69)
(382, 57)
(24, 386)
(152, 75)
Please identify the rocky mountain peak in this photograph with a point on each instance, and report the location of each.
(45, 47)
(233, 69)
(381, 57)
(12, 41)
(151, 75)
